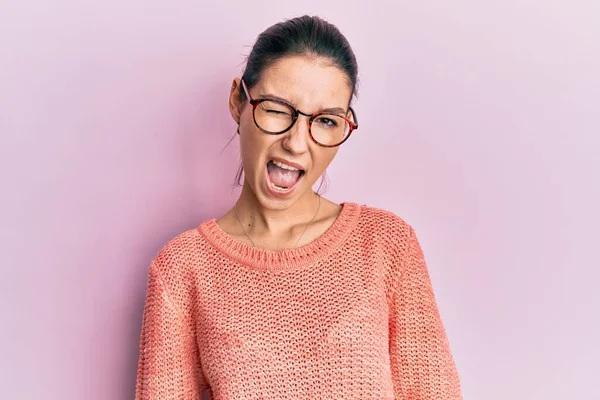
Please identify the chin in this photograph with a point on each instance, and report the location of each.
(277, 200)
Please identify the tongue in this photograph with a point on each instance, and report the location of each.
(282, 177)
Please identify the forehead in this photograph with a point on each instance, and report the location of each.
(309, 83)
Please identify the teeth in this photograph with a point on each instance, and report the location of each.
(284, 166)
(279, 188)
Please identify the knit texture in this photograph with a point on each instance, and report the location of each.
(351, 315)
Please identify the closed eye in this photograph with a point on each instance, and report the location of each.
(278, 112)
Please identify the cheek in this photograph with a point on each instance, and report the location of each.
(253, 145)
(322, 158)
(248, 151)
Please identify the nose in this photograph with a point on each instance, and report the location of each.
(296, 139)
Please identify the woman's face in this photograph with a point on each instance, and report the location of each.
(310, 85)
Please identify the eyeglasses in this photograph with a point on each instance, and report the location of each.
(275, 117)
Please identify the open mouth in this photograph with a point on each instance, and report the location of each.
(283, 177)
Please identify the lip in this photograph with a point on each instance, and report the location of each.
(288, 191)
(286, 162)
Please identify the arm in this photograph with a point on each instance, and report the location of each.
(422, 365)
(168, 366)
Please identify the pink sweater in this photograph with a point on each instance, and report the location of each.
(351, 315)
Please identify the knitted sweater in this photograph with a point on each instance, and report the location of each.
(351, 315)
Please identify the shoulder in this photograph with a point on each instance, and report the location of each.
(177, 260)
(393, 233)
(389, 236)
(385, 223)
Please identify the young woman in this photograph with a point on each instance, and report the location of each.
(290, 295)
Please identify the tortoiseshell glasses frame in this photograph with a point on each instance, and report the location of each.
(352, 125)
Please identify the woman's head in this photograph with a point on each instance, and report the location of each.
(307, 67)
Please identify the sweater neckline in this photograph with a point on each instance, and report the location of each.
(284, 259)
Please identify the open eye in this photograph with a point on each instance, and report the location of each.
(327, 121)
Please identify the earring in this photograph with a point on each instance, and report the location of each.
(238, 129)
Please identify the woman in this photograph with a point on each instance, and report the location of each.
(290, 295)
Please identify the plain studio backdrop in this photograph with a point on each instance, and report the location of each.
(479, 125)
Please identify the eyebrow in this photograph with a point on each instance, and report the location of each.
(329, 110)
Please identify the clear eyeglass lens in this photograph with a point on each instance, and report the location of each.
(273, 116)
(326, 129)
(329, 129)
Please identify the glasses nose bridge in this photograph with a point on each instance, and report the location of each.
(305, 114)
(297, 114)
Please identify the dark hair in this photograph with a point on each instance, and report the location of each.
(305, 35)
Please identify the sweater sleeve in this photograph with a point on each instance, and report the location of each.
(168, 366)
(422, 365)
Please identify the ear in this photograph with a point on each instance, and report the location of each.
(235, 100)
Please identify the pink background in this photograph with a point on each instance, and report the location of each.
(480, 125)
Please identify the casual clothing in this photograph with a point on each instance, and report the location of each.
(351, 315)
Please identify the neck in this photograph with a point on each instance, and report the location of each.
(260, 220)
